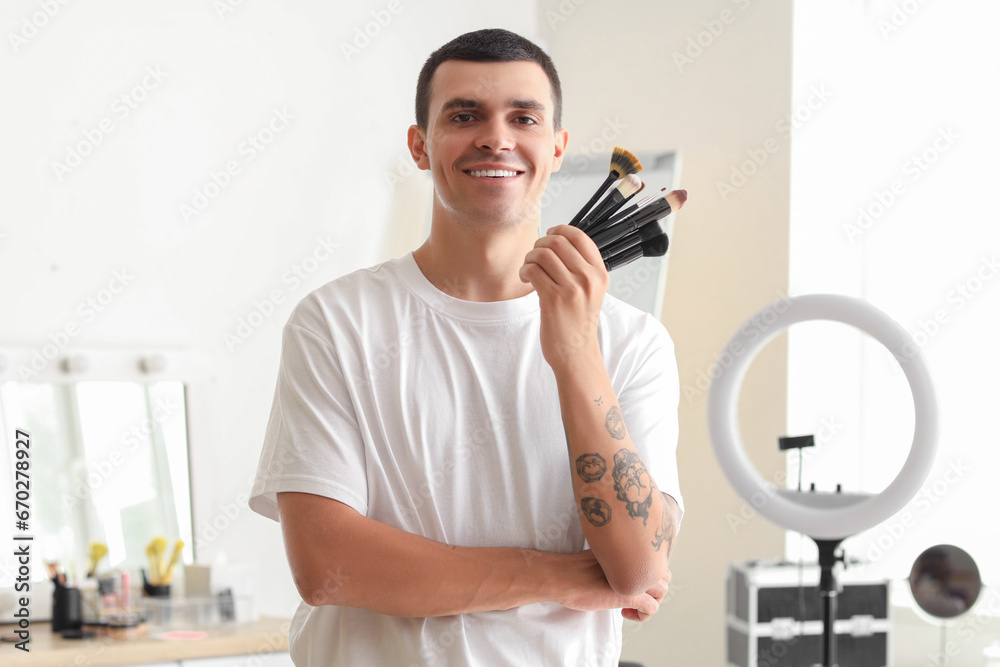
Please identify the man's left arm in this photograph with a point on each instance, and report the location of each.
(629, 524)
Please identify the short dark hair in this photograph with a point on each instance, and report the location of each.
(492, 45)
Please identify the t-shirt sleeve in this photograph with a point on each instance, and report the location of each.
(649, 401)
(313, 443)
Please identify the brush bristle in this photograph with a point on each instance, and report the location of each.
(676, 199)
(624, 163)
(656, 246)
(630, 185)
(650, 230)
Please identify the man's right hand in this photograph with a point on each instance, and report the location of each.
(588, 589)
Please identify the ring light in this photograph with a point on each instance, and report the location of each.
(826, 516)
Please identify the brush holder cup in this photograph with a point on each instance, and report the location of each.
(149, 590)
(67, 609)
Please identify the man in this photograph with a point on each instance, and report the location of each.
(451, 429)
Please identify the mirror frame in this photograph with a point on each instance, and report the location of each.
(49, 363)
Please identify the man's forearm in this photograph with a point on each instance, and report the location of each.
(339, 557)
(627, 522)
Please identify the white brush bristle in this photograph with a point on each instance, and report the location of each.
(630, 185)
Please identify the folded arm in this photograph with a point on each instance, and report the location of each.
(339, 557)
(625, 518)
(629, 524)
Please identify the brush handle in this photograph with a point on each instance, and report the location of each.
(623, 258)
(601, 225)
(613, 176)
(624, 243)
(611, 234)
(631, 223)
(604, 209)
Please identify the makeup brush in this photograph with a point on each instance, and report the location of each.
(97, 552)
(624, 213)
(660, 208)
(623, 163)
(156, 549)
(645, 233)
(178, 547)
(655, 247)
(630, 186)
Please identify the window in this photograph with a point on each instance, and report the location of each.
(894, 152)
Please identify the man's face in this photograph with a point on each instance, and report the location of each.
(482, 117)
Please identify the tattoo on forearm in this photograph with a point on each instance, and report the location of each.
(665, 533)
(599, 400)
(591, 467)
(614, 423)
(597, 511)
(633, 484)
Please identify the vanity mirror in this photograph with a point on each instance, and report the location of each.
(108, 453)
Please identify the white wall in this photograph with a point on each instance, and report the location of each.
(329, 176)
(641, 63)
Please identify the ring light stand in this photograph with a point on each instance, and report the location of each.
(828, 518)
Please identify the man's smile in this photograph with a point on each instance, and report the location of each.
(493, 173)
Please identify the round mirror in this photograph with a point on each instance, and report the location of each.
(945, 581)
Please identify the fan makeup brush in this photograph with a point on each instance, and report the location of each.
(630, 186)
(661, 208)
(654, 247)
(623, 163)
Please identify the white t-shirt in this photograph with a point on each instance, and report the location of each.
(441, 417)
